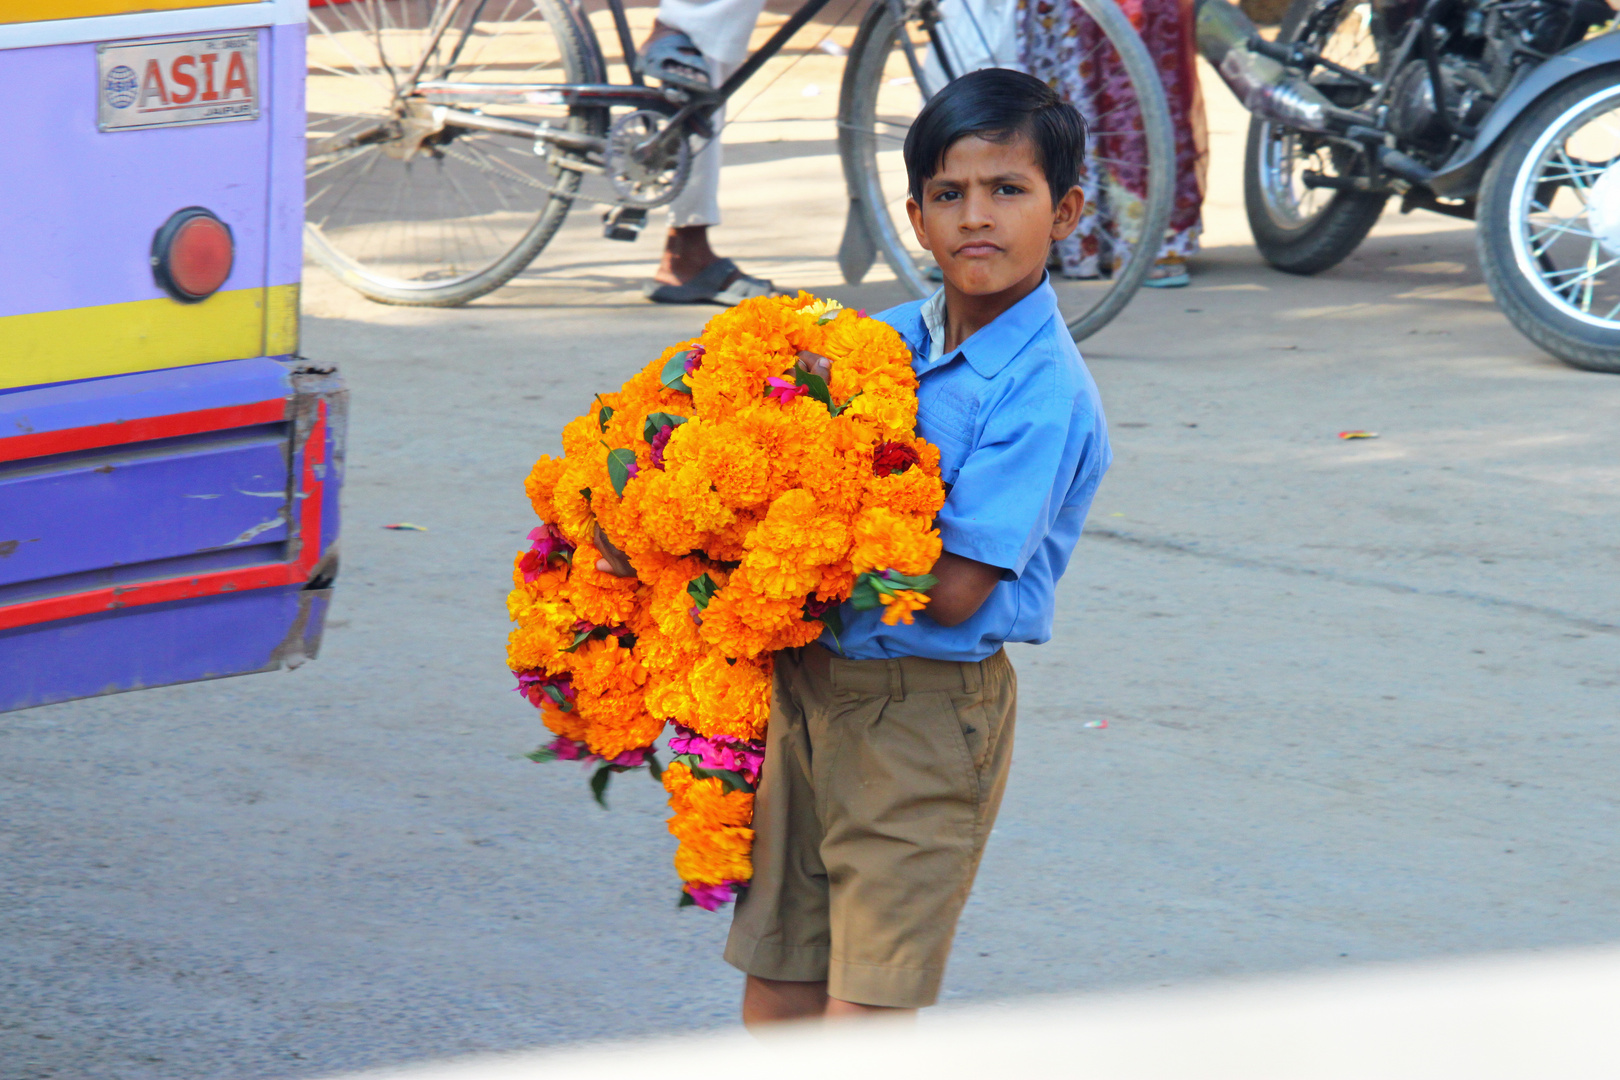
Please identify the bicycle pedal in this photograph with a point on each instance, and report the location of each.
(624, 222)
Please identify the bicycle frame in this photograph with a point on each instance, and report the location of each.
(687, 112)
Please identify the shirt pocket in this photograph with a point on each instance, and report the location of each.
(947, 420)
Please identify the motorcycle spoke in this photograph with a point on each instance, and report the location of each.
(1559, 229)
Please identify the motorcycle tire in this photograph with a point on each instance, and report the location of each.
(1551, 326)
(1328, 236)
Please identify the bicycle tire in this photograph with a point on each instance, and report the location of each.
(579, 55)
(864, 77)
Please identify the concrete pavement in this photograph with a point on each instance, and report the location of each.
(1360, 697)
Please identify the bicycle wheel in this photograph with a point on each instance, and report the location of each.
(1129, 175)
(404, 207)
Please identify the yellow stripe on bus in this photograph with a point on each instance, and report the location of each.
(146, 335)
(21, 11)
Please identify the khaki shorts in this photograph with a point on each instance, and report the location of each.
(882, 779)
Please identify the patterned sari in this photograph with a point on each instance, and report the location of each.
(1061, 45)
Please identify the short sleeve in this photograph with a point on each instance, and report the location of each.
(1013, 484)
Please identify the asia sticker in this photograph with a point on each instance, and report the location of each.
(174, 81)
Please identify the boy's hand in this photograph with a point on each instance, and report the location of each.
(816, 364)
(613, 561)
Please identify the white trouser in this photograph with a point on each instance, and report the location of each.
(720, 29)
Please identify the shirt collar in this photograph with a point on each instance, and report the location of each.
(991, 347)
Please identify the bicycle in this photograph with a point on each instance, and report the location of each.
(448, 139)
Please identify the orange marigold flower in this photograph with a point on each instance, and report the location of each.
(898, 606)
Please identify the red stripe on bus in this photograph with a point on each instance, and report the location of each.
(121, 432)
(265, 576)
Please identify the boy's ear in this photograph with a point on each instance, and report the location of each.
(914, 212)
(1066, 214)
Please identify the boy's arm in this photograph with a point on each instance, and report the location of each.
(964, 585)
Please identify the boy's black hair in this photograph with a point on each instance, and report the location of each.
(998, 104)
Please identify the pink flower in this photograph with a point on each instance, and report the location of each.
(567, 749)
(533, 685)
(783, 390)
(658, 443)
(694, 358)
(710, 897)
(546, 543)
(719, 752)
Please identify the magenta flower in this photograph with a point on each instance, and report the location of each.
(546, 543)
(783, 390)
(658, 443)
(720, 752)
(567, 749)
(537, 686)
(710, 897)
(694, 358)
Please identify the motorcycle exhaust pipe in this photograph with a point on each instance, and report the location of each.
(1264, 86)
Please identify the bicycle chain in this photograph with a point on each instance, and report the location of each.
(528, 181)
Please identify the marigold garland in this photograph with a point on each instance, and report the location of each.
(752, 498)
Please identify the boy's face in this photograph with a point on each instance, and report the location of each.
(987, 215)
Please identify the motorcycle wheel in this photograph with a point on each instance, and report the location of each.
(1300, 229)
(1548, 219)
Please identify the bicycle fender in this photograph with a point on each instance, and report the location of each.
(1460, 177)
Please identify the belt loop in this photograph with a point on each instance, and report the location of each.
(970, 678)
(897, 682)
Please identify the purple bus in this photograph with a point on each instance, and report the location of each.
(169, 464)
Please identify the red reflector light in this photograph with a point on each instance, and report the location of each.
(192, 254)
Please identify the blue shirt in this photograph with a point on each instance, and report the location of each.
(1023, 445)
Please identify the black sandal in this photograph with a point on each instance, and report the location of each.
(674, 60)
(711, 287)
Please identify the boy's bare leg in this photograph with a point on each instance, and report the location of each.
(772, 1001)
(849, 1010)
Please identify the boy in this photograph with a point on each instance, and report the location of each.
(888, 748)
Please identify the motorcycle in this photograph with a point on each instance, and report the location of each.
(1502, 112)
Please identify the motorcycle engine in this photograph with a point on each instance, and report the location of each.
(1413, 115)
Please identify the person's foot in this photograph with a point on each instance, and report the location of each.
(1169, 272)
(691, 273)
(670, 56)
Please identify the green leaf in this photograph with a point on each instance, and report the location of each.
(869, 585)
(580, 638)
(702, 590)
(815, 384)
(649, 430)
(834, 620)
(730, 778)
(655, 767)
(585, 493)
(915, 582)
(542, 755)
(685, 901)
(603, 415)
(557, 696)
(599, 783)
(674, 374)
(619, 462)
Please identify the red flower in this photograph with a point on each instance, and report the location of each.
(893, 457)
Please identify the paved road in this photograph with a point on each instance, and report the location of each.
(1360, 697)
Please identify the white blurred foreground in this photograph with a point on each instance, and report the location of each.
(1546, 1016)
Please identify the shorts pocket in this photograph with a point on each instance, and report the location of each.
(975, 727)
